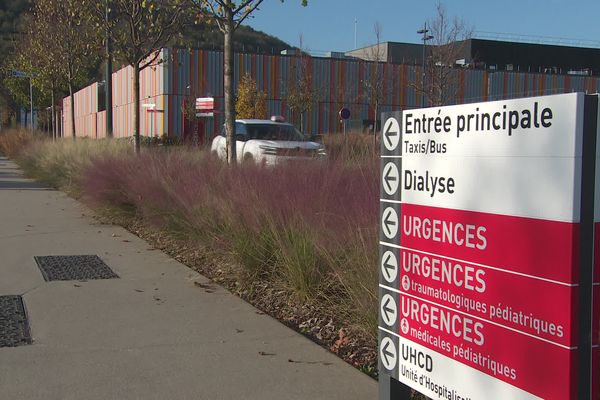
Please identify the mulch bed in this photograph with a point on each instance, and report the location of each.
(350, 343)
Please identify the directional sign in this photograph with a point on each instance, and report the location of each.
(489, 213)
(389, 310)
(391, 134)
(389, 222)
(388, 354)
(391, 261)
(389, 266)
(391, 178)
(206, 104)
(19, 74)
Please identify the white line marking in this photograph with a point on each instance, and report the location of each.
(388, 331)
(390, 201)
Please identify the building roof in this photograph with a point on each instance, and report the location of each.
(497, 55)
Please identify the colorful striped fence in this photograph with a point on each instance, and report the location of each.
(91, 122)
(184, 75)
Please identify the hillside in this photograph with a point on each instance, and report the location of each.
(196, 36)
(246, 39)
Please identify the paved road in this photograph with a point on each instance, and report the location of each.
(150, 334)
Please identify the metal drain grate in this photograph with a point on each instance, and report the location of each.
(14, 327)
(73, 268)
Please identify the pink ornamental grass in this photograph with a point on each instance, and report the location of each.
(314, 223)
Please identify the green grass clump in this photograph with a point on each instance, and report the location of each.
(257, 253)
(61, 163)
(301, 266)
(13, 141)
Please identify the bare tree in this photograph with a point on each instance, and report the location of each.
(373, 84)
(99, 12)
(300, 93)
(449, 43)
(228, 16)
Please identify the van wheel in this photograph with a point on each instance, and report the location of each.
(248, 158)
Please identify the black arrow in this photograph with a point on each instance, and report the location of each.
(387, 266)
(388, 310)
(387, 222)
(387, 354)
(388, 133)
(387, 177)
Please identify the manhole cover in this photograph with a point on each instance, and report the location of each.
(14, 327)
(73, 268)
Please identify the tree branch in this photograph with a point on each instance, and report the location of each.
(246, 13)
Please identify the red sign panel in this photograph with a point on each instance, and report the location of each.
(205, 104)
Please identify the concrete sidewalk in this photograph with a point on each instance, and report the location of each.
(150, 334)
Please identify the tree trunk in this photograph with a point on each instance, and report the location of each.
(136, 108)
(72, 111)
(57, 117)
(228, 87)
(52, 124)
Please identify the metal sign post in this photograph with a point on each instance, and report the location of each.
(205, 108)
(150, 108)
(344, 114)
(389, 265)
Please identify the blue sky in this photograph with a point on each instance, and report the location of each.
(328, 25)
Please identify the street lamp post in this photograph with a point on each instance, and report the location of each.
(425, 38)
(20, 74)
(31, 100)
(108, 87)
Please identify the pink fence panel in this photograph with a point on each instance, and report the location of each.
(101, 125)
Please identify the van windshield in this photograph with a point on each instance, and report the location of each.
(274, 132)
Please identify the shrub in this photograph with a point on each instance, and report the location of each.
(354, 148)
(62, 162)
(13, 141)
(257, 253)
